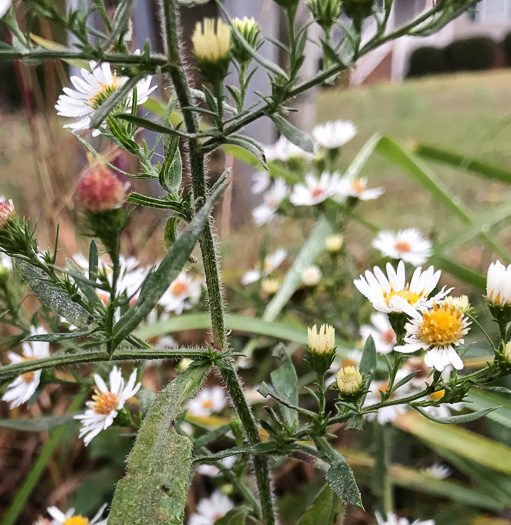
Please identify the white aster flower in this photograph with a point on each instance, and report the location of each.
(70, 518)
(270, 264)
(392, 519)
(438, 330)
(212, 471)
(207, 401)
(334, 134)
(211, 509)
(283, 150)
(352, 187)
(408, 245)
(271, 200)
(106, 403)
(260, 181)
(311, 275)
(4, 7)
(381, 331)
(391, 293)
(24, 386)
(388, 413)
(91, 90)
(184, 293)
(315, 190)
(438, 471)
(5, 262)
(498, 284)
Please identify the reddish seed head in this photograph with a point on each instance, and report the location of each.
(100, 190)
(6, 211)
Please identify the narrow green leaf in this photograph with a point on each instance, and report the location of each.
(121, 20)
(100, 115)
(484, 400)
(158, 281)
(341, 480)
(311, 249)
(251, 146)
(327, 509)
(284, 380)
(293, 134)
(155, 486)
(39, 424)
(463, 163)
(93, 260)
(453, 420)
(233, 517)
(57, 300)
(151, 126)
(368, 360)
(242, 154)
(54, 338)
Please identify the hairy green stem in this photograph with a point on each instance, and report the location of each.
(209, 256)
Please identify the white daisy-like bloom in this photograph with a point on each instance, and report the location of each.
(207, 401)
(283, 150)
(212, 471)
(357, 187)
(315, 190)
(70, 518)
(381, 331)
(391, 293)
(5, 262)
(260, 182)
(106, 403)
(392, 519)
(439, 331)
(408, 245)
(4, 7)
(266, 211)
(211, 509)
(388, 413)
(311, 275)
(91, 90)
(270, 264)
(24, 386)
(334, 134)
(42, 521)
(184, 293)
(498, 284)
(438, 471)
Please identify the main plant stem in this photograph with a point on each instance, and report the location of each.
(209, 255)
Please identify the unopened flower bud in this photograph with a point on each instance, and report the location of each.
(507, 352)
(311, 276)
(270, 286)
(212, 46)
(7, 211)
(334, 243)
(436, 396)
(250, 31)
(349, 380)
(99, 190)
(322, 342)
(325, 12)
(459, 304)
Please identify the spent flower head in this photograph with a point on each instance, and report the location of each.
(99, 190)
(7, 211)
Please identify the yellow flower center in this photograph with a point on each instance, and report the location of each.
(29, 376)
(104, 403)
(441, 326)
(107, 90)
(436, 396)
(76, 520)
(358, 186)
(207, 404)
(411, 297)
(178, 288)
(403, 246)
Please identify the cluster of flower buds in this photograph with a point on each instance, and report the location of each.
(251, 32)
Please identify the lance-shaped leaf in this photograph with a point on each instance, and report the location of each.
(121, 21)
(158, 281)
(327, 509)
(455, 420)
(38, 424)
(233, 517)
(284, 380)
(155, 486)
(341, 480)
(152, 126)
(368, 361)
(293, 134)
(57, 300)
